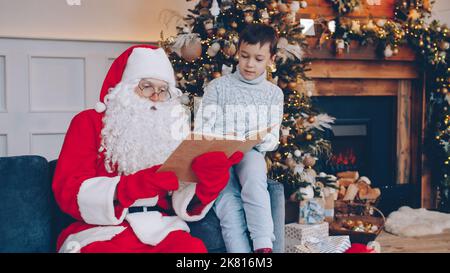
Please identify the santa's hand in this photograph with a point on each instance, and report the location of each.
(145, 184)
(213, 172)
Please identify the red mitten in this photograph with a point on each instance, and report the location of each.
(145, 184)
(213, 172)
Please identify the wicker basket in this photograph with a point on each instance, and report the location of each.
(345, 211)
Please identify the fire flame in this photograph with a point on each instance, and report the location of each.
(344, 158)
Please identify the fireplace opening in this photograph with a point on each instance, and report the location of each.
(363, 137)
(350, 146)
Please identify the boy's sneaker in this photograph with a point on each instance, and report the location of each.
(263, 250)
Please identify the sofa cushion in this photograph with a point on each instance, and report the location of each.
(25, 205)
(209, 231)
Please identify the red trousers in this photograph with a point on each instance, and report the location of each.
(127, 242)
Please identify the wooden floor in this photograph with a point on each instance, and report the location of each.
(427, 244)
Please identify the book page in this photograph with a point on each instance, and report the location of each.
(196, 144)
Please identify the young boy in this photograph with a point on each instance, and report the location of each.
(234, 104)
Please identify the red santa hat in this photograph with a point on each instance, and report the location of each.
(137, 62)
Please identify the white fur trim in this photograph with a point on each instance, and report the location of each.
(149, 63)
(181, 199)
(151, 227)
(75, 242)
(147, 202)
(96, 201)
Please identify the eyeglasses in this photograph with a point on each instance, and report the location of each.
(148, 90)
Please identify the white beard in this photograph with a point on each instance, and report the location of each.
(136, 136)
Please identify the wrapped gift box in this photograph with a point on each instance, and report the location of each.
(312, 211)
(332, 244)
(299, 234)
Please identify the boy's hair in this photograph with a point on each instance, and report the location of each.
(259, 33)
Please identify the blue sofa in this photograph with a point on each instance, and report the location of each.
(31, 219)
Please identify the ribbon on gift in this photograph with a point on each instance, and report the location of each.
(312, 211)
(333, 244)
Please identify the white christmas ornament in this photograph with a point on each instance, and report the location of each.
(185, 40)
(340, 44)
(213, 49)
(308, 177)
(298, 153)
(303, 4)
(226, 69)
(388, 51)
(298, 169)
(332, 26)
(381, 22)
(215, 10)
(288, 51)
(295, 6)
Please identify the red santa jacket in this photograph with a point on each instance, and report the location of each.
(85, 190)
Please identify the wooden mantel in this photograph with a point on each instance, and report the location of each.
(360, 62)
(360, 72)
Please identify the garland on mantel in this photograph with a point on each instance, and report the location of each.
(431, 43)
(345, 6)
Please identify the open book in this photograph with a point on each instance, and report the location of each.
(196, 144)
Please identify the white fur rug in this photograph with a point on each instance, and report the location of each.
(416, 222)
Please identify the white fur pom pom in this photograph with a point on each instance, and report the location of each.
(100, 107)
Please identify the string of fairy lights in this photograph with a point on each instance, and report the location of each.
(431, 43)
(217, 44)
(213, 50)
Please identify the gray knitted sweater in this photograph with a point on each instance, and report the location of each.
(233, 105)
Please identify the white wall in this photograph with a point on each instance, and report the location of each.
(441, 11)
(43, 84)
(101, 20)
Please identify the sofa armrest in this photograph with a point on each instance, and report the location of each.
(25, 205)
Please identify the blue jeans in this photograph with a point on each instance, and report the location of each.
(244, 206)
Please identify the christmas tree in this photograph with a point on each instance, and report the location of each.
(205, 48)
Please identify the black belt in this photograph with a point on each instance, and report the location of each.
(154, 208)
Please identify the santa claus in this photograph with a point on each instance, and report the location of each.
(107, 173)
